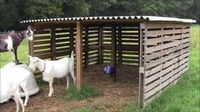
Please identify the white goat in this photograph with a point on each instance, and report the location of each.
(12, 78)
(54, 69)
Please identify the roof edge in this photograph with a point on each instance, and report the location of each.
(149, 18)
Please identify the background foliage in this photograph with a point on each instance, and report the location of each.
(13, 11)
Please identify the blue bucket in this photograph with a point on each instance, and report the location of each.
(108, 69)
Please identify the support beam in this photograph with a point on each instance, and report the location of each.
(100, 45)
(79, 53)
(141, 65)
(53, 44)
(119, 45)
(86, 46)
(113, 50)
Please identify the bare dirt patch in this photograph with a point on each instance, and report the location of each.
(113, 94)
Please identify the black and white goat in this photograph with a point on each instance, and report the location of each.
(11, 41)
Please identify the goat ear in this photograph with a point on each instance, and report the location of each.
(29, 56)
(29, 27)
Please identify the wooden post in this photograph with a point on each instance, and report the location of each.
(119, 45)
(141, 65)
(100, 45)
(113, 50)
(53, 44)
(86, 46)
(79, 54)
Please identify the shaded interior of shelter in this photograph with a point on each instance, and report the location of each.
(103, 44)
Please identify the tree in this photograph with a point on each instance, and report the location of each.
(37, 9)
(193, 12)
(121, 7)
(99, 7)
(75, 8)
(153, 8)
(13, 11)
(177, 8)
(11, 14)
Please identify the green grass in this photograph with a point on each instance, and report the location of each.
(6, 57)
(84, 109)
(85, 92)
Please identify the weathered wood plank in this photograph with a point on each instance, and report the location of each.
(182, 68)
(42, 42)
(164, 46)
(62, 40)
(41, 37)
(166, 38)
(160, 87)
(130, 36)
(130, 33)
(62, 49)
(41, 47)
(43, 56)
(155, 33)
(79, 50)
(66, 44)
(62, 31)
(42, 52)
(63, 35)
(159, 67)
(42, 32)
(168, 25)
(158, 61)
(63, 53)
(141, 66)
(130, 41)
(164, 52)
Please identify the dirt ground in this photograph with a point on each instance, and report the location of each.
(114, 94)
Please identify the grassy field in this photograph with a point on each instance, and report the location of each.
(183, 97)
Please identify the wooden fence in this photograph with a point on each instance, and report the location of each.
(57, 42)
(166, 56)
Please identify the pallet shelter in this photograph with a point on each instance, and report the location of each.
(157, 46)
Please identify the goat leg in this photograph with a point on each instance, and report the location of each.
(16, 59)
(21, 103)
(17, 103)
(67, 77)
(26, 93)
(50, 88)
(73, 76)
(19, 100)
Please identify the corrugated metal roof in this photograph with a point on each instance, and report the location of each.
(149, 18)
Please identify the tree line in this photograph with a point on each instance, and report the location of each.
(13, 11)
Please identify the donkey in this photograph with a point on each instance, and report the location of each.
(11, 41)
